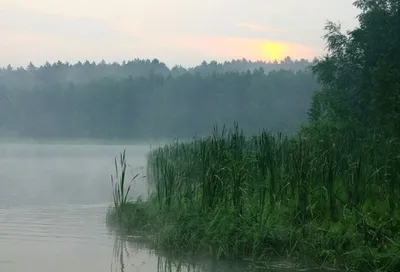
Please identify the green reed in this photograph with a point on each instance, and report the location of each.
(333, 198)
(120, 190)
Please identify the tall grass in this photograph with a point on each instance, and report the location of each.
(124, 210)
(332, 198)
(120, 191)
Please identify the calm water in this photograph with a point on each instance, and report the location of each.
(53, 201)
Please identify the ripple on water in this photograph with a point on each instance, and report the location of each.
(67, 224)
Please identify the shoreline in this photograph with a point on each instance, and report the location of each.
(205, 260)
(245, 198)
(151, 236)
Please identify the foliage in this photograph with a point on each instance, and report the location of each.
(78, 73)
(332, 199)
(360, 77)
(155, 107)
(120, 192)
(123, 210)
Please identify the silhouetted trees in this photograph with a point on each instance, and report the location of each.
(143, 99)
(89, 71)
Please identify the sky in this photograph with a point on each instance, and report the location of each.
(183, 32)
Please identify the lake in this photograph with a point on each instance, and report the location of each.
(53, 202)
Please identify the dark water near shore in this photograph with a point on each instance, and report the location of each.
(53, 202)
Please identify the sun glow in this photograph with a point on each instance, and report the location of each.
(273, 51)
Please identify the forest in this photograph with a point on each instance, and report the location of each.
(143, 99)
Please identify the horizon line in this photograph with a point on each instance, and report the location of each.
(222, 62)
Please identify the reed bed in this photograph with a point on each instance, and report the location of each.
(334, 199)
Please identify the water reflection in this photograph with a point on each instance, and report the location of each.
(118, 251)
(125, 251)
(124, 246)
(127, 248)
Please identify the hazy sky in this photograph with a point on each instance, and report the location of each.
(175, 31)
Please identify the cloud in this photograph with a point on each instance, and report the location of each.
(82, 29)
(39, 37)
(237, 47)
(258, 28)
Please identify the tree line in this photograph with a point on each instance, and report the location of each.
(83, 72)
(150, 105)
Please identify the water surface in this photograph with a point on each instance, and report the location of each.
(53, 202)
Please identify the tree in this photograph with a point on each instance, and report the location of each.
(31, 68)
(360, 76)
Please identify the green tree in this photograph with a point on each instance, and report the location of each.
(360, 76)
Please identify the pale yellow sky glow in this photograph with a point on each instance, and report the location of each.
(176, 31)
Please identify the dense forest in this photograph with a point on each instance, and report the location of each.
(143, 99)
(20, 77)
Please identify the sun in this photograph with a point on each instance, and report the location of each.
(272, 51)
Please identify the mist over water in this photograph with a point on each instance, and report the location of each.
(39, 174)
(53, 203)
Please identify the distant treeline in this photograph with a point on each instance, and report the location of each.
(143, 99)
(17, 77)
